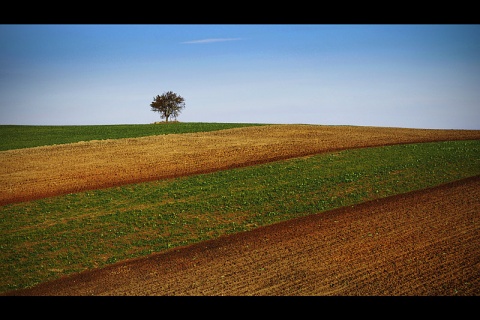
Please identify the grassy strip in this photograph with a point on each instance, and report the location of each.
(42, 240)
(18, 136)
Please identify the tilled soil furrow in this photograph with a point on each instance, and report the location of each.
(33, 173)
(430, 246)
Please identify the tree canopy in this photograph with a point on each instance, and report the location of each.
(169, 104)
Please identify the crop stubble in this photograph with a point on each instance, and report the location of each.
(34, 173)
(421, 243)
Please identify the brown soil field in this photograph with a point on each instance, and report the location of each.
(423, 243)
(34, 173)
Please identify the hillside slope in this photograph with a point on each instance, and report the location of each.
(34, 173)
(421, 243)
(424, 243)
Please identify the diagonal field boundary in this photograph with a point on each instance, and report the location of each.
(421, 243)
(34, 173)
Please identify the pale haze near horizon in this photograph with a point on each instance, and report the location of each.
(415, 76)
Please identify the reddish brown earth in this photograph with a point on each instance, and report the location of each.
(421, 243)
(424, 243)
(34, 173)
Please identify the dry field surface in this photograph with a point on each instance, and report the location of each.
(33, 173)
(421, 243)
(424, 243)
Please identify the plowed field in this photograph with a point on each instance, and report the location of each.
(33, 173)
(421, 243)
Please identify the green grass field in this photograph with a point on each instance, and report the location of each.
(45, 239)
(18, 136)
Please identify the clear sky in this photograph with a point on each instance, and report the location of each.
(415, 76)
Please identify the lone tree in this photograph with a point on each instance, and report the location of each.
(168, 105)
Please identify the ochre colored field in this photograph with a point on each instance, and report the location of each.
(420, 243)
(33, 173)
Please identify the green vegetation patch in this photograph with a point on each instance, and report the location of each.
(45, 239)
(19, 136)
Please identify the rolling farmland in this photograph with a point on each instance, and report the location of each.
(420, 242)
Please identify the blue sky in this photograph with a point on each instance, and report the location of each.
(415, 76)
